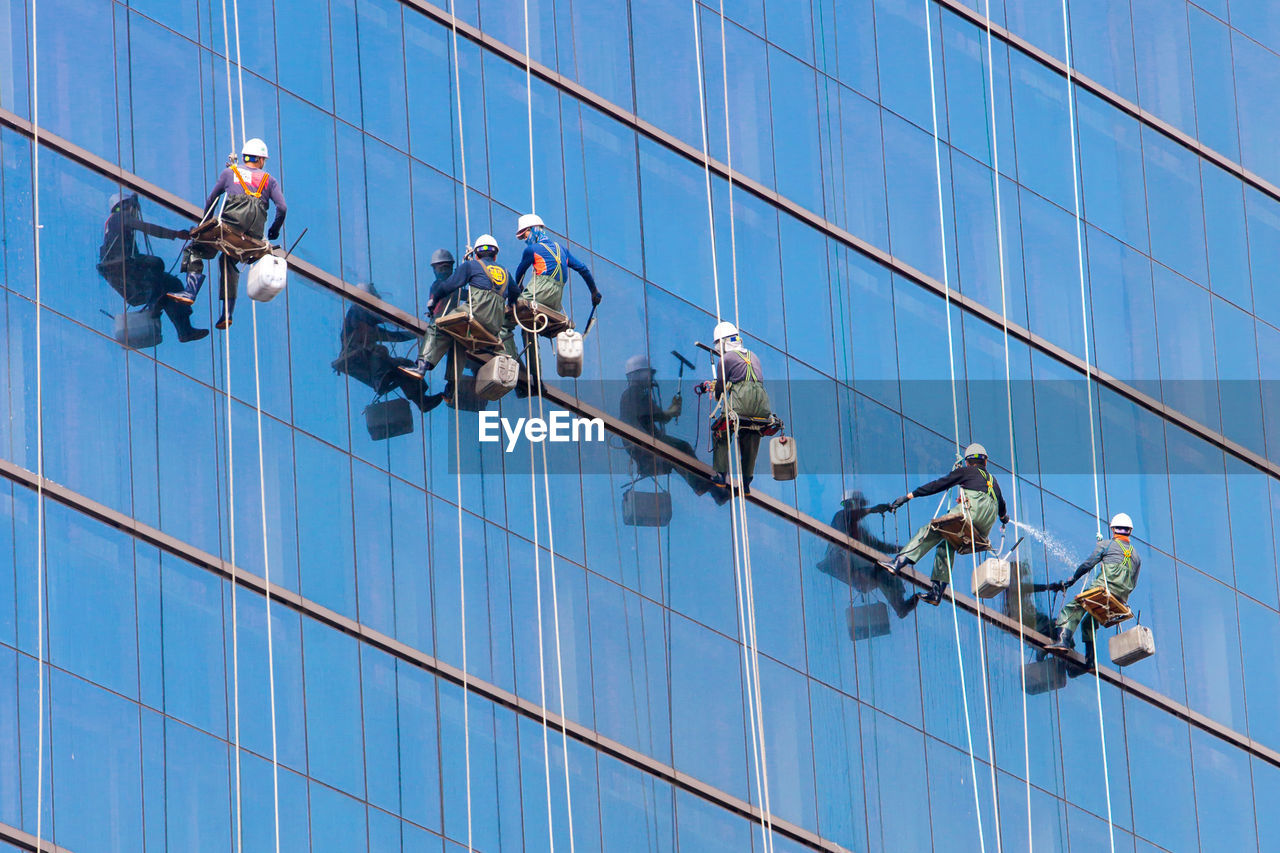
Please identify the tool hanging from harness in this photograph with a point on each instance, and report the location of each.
(229, 238)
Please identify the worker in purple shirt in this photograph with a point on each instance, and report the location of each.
(550, 262)
(249, 192)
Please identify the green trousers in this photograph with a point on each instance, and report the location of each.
(983, 513)
(745, 399)
(486, 306)
(1118, 579)
(541, 290)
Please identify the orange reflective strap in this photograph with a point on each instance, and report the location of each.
(235, 170)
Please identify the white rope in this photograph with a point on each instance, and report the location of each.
(1088, 383)
(35, 210)
(551, 541)
(728, 153)
(457, 431)
(262, 488)
(706, 156)
(955, 414)
(223, 268)
(1013, 450)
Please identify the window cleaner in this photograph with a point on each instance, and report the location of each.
(979, 505)
(538, 306)
(469, 329)
(246, 193)
(742, 406)
(858, 571)
(1104, 598)
(640, 405)
(141, 278)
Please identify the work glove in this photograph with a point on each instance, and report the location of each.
(676, 407)
(596, 298)
(274, 233)
(183, 234)
(1058, 586)
(1004, 519)
(897, 502)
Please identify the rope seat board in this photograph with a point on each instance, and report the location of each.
(229, 240)
(547, 321)
(466, 329)
(1104, 607)
(959, 533)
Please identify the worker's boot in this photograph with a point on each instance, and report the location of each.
(896, 565)
(188, 294)
(934, 595)
(1076, 670)
(746, 485)
(228, 308)
(1062, 642)
(417, 370)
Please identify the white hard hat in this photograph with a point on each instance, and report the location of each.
(529, 220)
(724, 329)
(254, 148)
(116, 198)
(853, 495)
(1122, 519)
(637, 363)
(975, 450)
(485, 241)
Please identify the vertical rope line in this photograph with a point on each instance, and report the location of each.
(955, 411)
(1008, 390)
(942, 221)
(235, 13)
(528, 94)
(739, 581)
(728, 153)
(1088, 383)
(35, 211)
(266, 566)
(706, 156)
(226, 60)
(457, 429)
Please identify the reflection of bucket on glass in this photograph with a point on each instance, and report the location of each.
(388, 419)
(646, 509)
(868, 620)
(138, 329)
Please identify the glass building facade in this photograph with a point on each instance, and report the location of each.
(232, 619)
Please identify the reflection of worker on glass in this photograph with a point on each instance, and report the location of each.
(857, 570)
(141, 278)
(641, 407)
(366, 359)
(249, 192)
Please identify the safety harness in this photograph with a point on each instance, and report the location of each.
(248, 188)
(553, 249)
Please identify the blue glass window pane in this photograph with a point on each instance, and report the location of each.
(197, 779)
(898, 784)
(433, 122)
(337, 822)
(795, 130)
(92, 622)
(1211, 646)
(305, 50)
(1163, 50)
(1123, 313)
(165, 100)
(1040, 118)
(634, 805)
(1255, 564)
(1226, 236)
(1263, 217)
(903, 53)
(325, 548)
(703, 827)
(749, 110)
(1266, 786)
(95, 770)
(1257, 76)
(860, 204)
(1259, 19)
(309, 177)
(1102, 44)
(708, 731)
(419, 747)
(78, 79)
(1199, 502)
(1159, 760)
(1186, 347)
(666, 67)
(1238, 389)
(1111, 172)
(911, 174)
(677, 250)
(602, 51)
(790, 27)
(334, 748)
(1259, 633)
(1224, 795)
(1052, 257)
(1215, 103)
(1174, 205)
(382, 71)
(196, 686)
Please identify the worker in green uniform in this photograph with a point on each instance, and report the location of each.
(738, 388)
(856, 570)
(487, 288)
(981, 503)
(1117, 572)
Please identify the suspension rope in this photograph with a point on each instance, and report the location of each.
(738, 517)
(224, 266)
(40, 550)
(1008, 390)
(1088, 386)
(551, 541)
(457, 431)
(262, 490)
(955, 414)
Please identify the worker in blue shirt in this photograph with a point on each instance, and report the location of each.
(487, 288)
(549, 261)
